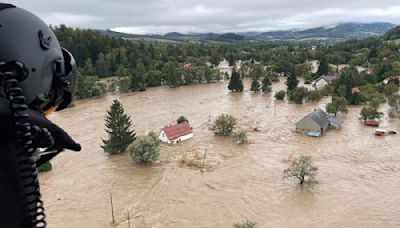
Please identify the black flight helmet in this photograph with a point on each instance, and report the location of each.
(27, 43)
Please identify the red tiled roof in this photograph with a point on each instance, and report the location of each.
(178, 130)
(355, 90)
(187, 65)
(372, 122)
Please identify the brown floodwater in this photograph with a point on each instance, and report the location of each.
(358, 176)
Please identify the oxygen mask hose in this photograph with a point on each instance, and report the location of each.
(26, 134)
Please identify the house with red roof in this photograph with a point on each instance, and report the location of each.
(176, 133)
(355, 90)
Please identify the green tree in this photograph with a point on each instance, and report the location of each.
(118, 126)
(394, 102)
(112, 87)
(245, 224)
(390, 88)
(85, 84)
(172, 75)
(231, 59)
(181, 119)
(98, 89)
(256, 71)
(303, 169)
(215, 57)
(255, 86)
(138, 82)
(323, 68)
(266, 85)
(280, 95)
(314, 95)
(349, 78)
(123, 84)
(154, 78)
(292, 82)
(146, 148)
(240, 137)
(368, 113)
(235, 83)
(224, 125)
(298, 95)
(370, 78)
(338, 104)
(208, 74)
(88, 68)
(123, 71)
(101, 66)
(375, 102)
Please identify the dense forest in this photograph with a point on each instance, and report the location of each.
(142, 64)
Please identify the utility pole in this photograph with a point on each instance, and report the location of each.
(129, 220)
(112, 208)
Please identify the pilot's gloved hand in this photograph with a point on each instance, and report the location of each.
(61, 139)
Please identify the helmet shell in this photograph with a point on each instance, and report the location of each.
(27, 39)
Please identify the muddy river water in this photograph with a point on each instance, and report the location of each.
(359, 178)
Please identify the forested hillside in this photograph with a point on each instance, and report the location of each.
(142, 64)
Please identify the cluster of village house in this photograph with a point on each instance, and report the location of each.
(313, 124)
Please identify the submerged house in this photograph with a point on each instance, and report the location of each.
(176, 133)
(325, 80)
(316, 123)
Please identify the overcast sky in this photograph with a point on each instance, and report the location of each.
(161, 16)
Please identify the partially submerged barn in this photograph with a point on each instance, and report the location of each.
(176, 133)
(316, 123)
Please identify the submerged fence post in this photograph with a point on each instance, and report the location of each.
(204, 158)
(129, 220)
(112, 208)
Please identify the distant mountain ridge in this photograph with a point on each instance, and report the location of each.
(346, 30)
(340, 31)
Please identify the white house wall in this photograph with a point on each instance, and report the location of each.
(163, 138)
(321, 83)
(186, 137)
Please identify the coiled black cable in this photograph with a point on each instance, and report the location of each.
(25, 134)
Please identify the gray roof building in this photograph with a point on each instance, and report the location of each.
(316, 123)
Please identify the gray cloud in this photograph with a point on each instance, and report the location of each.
(161, 16)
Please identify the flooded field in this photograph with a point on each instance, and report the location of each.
(359, 178)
